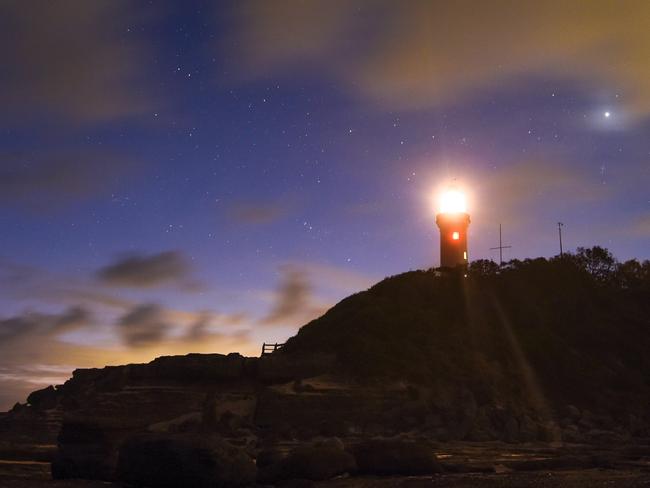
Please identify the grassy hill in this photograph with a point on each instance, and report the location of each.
(542, 333)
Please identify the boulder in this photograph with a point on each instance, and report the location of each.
(317, 463)
(604, 437)
(393, 457)
(572, 412)
(297, 484)
(268, 457)
(549, 431)
(432, 420)
(44, 399)
(552, 463)
(464, 414)
(571, 433)
(183, 423)
(314, 463)
(528, 429)
(587, 421)
(332, 442)
(82, 462)
(163, 460)
(335, 427)
(86, 449)
(482, 428)
(510, 430)
(17, 407)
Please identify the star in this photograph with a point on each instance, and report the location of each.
(607, 115)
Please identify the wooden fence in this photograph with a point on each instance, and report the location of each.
(270, 348)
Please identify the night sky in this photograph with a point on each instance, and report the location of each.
(204, 176)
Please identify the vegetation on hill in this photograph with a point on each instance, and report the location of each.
(569, 330)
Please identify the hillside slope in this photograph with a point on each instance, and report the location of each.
(537, 333)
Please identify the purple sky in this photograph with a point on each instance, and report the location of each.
(205, 176)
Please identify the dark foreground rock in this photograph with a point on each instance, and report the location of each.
(313, 463)
(495, 464)
(87, 449)
(566, 479)
(161, 461)
(395, 457)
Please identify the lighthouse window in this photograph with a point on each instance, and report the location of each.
(465, 255)
(455, 236)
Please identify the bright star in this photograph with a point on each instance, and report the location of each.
(607, 115)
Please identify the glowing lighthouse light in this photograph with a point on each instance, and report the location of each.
(453, 221)
(453, 201)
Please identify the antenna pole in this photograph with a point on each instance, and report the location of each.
(559, 229)
(500, 248)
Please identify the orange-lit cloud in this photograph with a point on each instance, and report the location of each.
(424, 53)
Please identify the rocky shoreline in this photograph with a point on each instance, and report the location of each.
(279, 418)
(460, 464)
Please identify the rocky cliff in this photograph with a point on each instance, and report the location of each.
(538, 351)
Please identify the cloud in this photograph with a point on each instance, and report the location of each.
(161, 330)
(29, 284)
(425, 53)
(145, 271)
(35, 375)
(516, 191)
(44, 181)
(641, 226)
(44, 325)
(144, 325)
(257, 213)
(307, 290)
(336, 278)
(73, 318)
(293, 297)
(208, 327)
(199, 329)
(81, 60)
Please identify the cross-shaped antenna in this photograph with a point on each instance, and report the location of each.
(500, 248)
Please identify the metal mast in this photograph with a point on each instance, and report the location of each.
(501, 247)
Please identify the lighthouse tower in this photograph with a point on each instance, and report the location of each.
(453, 221)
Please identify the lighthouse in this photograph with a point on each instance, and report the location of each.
(453, 221)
